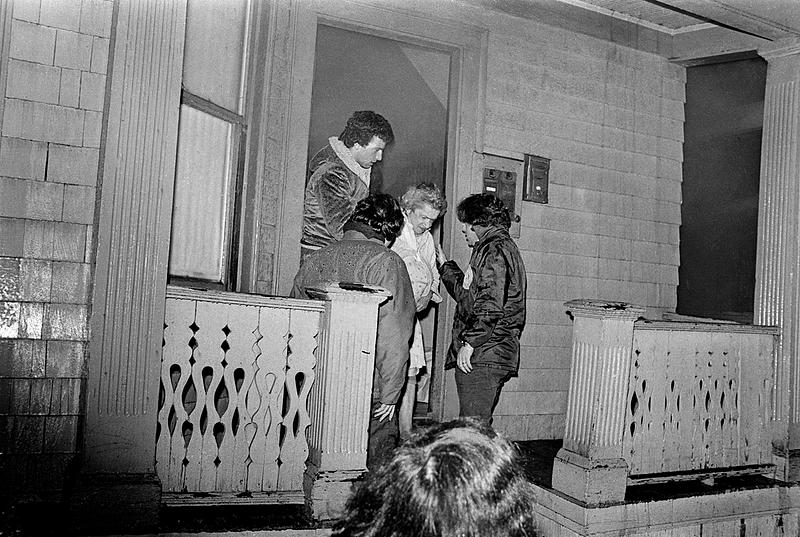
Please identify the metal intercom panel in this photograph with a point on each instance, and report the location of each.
(502, 176)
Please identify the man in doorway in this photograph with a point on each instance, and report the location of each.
(490, 309)
(363, 256)
(338, 178)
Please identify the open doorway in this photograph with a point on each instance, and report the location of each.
(406, 83)
(719, 213)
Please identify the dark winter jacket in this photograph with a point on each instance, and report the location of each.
(332, 192)
(490, 315)
(358, 259)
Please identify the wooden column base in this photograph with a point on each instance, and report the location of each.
(593, 482)
(327, 492)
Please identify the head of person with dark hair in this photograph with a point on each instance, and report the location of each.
(458, 479)
(423, 204)
(363, 125)
(366, 134)
(381, 213)
(484, 210)
(480, 212)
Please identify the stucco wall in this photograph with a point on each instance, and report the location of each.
(611, 120)
(56, 56)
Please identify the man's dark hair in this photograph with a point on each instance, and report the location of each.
(382, 213)
(362, 126)
(483, 210)
(456, 479)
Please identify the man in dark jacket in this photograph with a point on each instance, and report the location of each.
(339, 176)
(362, 256)
(490, 310)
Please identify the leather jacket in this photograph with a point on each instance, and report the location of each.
(490, 313)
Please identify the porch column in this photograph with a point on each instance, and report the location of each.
(777, 293)
(117, 488)
(340, 396)
(590, 466)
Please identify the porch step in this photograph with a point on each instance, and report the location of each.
(746, 509)
(221, 519)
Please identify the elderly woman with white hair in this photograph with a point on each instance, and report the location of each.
(422, 205)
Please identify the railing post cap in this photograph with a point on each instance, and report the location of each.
(348, 292)
(604, 309)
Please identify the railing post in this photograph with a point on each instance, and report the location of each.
(341, 396)
(590, 466)
(778, 255)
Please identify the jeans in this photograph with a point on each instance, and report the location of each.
(479, 390)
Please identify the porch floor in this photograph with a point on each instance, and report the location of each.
(537, 459)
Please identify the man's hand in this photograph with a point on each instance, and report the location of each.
(384, 411)
(464, 359)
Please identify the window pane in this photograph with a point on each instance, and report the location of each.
(215, 49)
(201, 206)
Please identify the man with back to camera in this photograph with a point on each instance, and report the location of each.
(339, 176)
(490, 309)
(363, 256)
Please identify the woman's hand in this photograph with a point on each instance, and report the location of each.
(440, 257)
(464, 359)
(422, 302)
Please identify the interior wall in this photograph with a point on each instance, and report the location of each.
(724, 117)
(405, 84)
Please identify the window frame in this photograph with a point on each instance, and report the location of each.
(231, 236)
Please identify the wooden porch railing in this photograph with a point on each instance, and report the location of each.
(662, 401)
(266, 399)
(235, 377)
(699, 399)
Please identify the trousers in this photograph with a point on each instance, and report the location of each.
(479, 391)
(383, 437)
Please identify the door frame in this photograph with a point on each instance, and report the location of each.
(467, 45)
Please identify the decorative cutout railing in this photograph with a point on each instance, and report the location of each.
(699, 398)
(235, 378)
(654, 401)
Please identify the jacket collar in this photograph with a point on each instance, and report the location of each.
(491, 234)
(343, 152)
(358, 231)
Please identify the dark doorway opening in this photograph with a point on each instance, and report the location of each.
(409, 85)
(719, 214)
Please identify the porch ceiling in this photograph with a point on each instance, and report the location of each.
(769, 19)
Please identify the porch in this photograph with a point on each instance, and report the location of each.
(673, 428)
(733, 506)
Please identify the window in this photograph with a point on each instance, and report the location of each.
(211, 140)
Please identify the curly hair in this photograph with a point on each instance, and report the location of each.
(458, 479)
(362, 126)
(483, 210)
(418, 194)
(382, 213)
